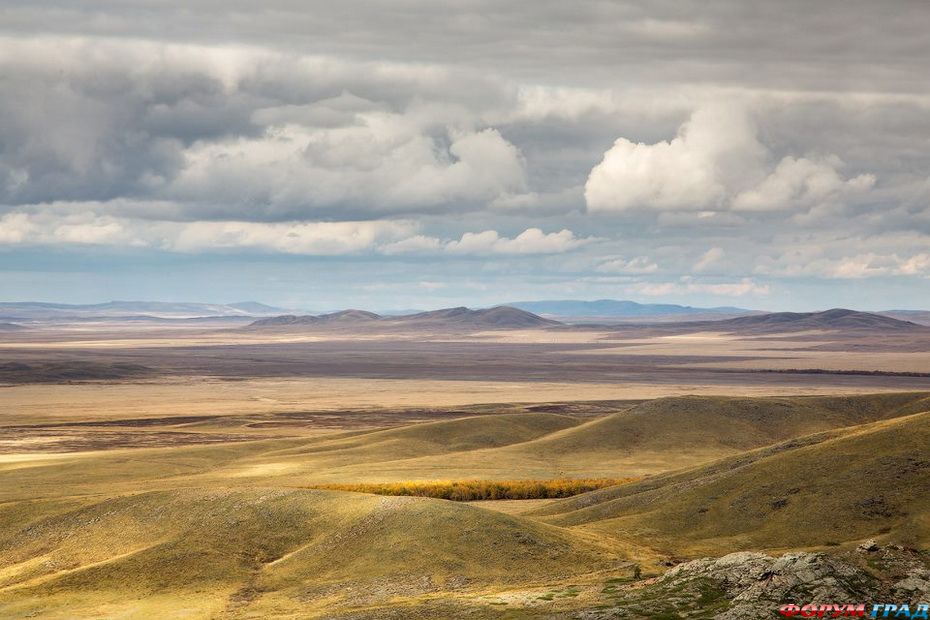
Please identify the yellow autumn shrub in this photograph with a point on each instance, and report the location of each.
(475, 490)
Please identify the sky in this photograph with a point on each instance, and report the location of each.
(425, 153)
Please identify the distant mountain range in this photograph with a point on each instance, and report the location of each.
(506, 317)
(519, 314)
(613, 309)
(499, 317)
(40, 311)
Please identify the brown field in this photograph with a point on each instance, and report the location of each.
(160, 371)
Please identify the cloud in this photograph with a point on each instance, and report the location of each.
(635, 39)
(453, 128)
(636, 265)
(530, 241)
(15, 228)
(716, 162)
(70, 229)
(246, 134)
(308, 238)
(801, 182)
(387, 237)
(709, 258)
(383, 164)
(854, 267)
(688, 172)
(686, 285)
(431, 286)
(538, 203)
(418, 244)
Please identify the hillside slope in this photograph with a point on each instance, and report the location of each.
(725, 422)
(837, 319)
(825, 489)
(225, 552)
(464, 434)
(656, 436)
(499, 317)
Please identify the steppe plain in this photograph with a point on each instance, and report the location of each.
(168, 470)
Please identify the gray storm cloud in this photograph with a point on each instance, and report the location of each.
(731, 144)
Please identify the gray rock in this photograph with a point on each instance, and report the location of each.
(915, 586)
(868, 546)
(757, 583)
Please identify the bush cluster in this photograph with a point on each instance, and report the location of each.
(475, 490)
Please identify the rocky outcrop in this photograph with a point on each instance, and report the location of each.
(757, 584)
(750, 585)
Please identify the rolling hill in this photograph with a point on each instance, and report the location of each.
(725, 423)
(349, 316)
(820, 490)
(253, 552)
(285, 320)
(333, 318)
(500, 317)
(653, 437)
(837, 319)
(432, 438)
(233, 531)
(497, 317)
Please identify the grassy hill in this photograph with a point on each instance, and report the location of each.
(836, 319)
(490, 431)
(647, 439)
(228, 550)
(650, 438)
(498, 317)
(822, 490)
(230, 531)
(720, 423)
(289, 462)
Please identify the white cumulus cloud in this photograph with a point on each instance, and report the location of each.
(802, 182)
(716, 162)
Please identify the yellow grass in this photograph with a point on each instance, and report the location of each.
(477, 490)
(230, 530)
(45, 403)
